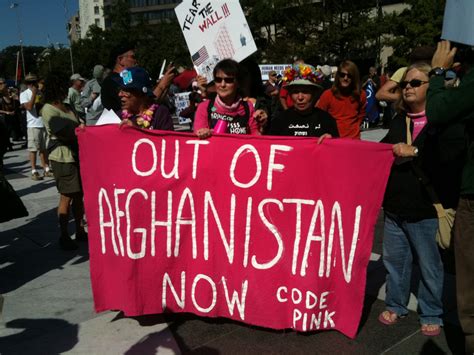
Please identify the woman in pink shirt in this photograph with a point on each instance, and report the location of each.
(227, 112)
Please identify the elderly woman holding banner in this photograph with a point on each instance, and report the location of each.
(137, 99)
(424, 155)
(303, 119)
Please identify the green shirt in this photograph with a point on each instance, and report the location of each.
(455, 105)
(74, 99)
(60, 123)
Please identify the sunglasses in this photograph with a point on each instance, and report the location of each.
(343, 75)
(414, 83)
(132, 56)
(228, 80)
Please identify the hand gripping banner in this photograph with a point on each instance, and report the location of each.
(274, 232)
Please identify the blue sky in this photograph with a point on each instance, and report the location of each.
(38, 19)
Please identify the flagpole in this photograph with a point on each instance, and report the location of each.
(17, 67)
(20, 35)
(69, 38)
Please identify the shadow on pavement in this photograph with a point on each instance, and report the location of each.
(454, 338)
(20, 343)
(430, 348)
(154, 343)
(32, 250)
(168, 338)
(37, 187)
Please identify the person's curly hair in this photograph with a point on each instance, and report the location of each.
(55, 88)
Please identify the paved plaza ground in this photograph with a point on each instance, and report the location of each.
(48, 307)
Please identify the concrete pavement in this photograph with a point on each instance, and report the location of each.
(48, 305)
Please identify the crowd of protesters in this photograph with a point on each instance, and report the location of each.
(431, 133)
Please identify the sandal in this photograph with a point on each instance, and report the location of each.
(388, 317)
(430, 330)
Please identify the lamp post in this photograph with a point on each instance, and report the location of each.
(20, 35)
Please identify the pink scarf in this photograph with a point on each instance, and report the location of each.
(419, 121)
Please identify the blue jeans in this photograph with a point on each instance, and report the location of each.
(402, 238)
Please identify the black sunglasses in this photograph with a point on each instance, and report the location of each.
(228, 80)
(343, 75)
(414, 83)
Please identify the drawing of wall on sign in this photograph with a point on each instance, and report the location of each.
(223, 43)
(214, 31)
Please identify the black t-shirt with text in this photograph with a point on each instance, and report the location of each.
(296, 124)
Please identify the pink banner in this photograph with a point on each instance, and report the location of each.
(274, 232)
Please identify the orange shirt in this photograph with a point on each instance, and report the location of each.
(347, 112)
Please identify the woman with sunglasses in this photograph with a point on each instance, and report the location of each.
(345, 101)
(227, 112)
(411, 221)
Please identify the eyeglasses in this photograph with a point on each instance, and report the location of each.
(125, 93)
(414, 83)
(131, 56)
(343, 75)
(273, 75)
(228, 80)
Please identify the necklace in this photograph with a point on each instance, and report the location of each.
(144, 118)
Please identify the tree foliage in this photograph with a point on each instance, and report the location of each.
(419, 25)
(325, 31)
(320, 32)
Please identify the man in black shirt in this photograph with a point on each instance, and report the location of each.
(121, 57)
(304, 119)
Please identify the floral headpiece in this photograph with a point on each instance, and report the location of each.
(303, 74)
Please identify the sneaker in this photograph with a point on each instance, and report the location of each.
(36, 176)
(48, 173)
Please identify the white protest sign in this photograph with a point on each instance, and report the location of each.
(458, 22)
(267, 68)
(214, 30)
(181, 101)
(108, 117)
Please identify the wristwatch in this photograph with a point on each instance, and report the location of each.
(438, 71)
(415, 151)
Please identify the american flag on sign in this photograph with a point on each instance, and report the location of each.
(200, 56)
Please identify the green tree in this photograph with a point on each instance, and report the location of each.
(320, 32)
(418, 25)
(8, 59)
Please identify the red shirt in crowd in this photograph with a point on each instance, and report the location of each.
(284, 94)
(347, 112)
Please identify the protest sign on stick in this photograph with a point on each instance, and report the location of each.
(274, 232)
(214, 30)
(458, 24)
(181, 102)
(265, 69)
